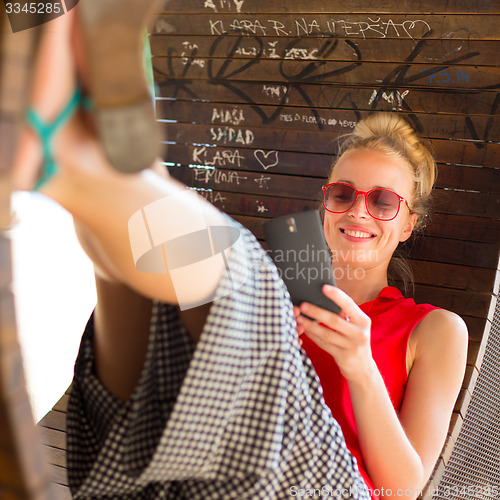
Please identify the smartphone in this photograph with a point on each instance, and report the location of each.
(297, 246)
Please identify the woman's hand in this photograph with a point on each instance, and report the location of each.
(346, 336)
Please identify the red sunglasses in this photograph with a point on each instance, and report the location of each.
(381, 204)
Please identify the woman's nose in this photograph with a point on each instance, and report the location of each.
(358, 208)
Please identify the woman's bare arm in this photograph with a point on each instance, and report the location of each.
(399, 451)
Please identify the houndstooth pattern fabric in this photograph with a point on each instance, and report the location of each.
(239, 415)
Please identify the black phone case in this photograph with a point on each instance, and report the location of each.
(299, 250)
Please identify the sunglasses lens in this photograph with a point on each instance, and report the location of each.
(339, 197)
(382, 204)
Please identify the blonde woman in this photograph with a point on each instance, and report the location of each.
(390, 369)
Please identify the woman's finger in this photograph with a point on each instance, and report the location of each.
(350, 313)
(324, 336)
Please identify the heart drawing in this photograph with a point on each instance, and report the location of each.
(267, 160)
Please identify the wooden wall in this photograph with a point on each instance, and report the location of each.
(255, 93)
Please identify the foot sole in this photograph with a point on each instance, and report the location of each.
(124, 111)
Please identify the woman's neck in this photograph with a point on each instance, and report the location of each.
(362, 288)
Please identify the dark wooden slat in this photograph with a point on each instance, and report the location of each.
(394, 96)
(368, 6)
(315, 165)
(306, 141)
(453, 276)
(347, 73)
(342, 25)
(471, 304)
(467, 153)
(475, 327)
(250, 182)
(467, 203)
(283, 162)
(457, 202)
(448, 226)
(468, 228)
(246, 208)
(480, 52)
(330, 120)
(486, 180)
(454, 251)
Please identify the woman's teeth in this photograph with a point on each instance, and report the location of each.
(357, 234)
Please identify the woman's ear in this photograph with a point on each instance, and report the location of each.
(408, 229)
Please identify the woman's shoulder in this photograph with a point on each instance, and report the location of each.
(440, 330)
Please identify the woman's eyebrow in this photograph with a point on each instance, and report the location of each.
(375, 187)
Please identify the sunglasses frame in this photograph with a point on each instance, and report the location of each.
(365, 193)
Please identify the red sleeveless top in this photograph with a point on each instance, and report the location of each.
(393, 319)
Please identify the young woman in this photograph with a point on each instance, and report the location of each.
(390, 369)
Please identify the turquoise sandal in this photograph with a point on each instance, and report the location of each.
(46, 133)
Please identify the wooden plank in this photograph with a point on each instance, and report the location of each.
(460, 227)
(257, 160)
(475, 327)
(54, 420)
(394, 96)
(362, 73)
(62, 492)
(453, 251)
(51, 437)
(468, 303)
(467, 203)
(58, 475)
(62, 404)
(314, 165)
(240, 206)
(55, 456)
(341, 6)
(453, 276)
(486, 180)
(376, 97)
(441, 226)
(312, 118)
(306, 141)
(477, 52)
(412, 26)
(466, 152)
(456, 202)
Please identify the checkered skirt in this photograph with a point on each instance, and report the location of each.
(239, 415)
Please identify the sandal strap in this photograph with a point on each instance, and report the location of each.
(47, 131)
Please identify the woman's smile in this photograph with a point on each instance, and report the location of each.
(356, 234)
